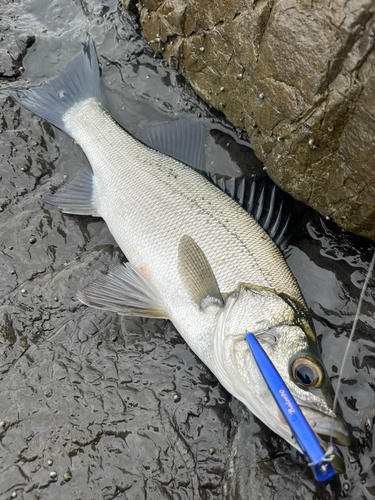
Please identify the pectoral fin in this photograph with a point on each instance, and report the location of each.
(125, 290)
(197, 275)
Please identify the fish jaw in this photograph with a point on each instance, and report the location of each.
(325, 426)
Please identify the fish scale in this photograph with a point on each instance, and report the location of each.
(150, 201)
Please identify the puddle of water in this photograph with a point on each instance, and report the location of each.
(94, 392)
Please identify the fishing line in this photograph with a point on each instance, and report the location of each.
(369, 272)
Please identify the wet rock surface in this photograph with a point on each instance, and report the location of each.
(96, 406)
(299, 76)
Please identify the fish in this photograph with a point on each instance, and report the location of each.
(195, 255)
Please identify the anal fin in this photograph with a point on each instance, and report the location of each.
(124, 290)
(77, 197)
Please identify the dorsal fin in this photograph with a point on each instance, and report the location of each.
(182, 139)
(261, 203)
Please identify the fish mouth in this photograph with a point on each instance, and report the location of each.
(336, 461)
(325, 426)
(325, 431)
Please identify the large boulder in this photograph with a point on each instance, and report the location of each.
(299, 76)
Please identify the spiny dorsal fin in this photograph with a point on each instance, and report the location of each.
(125, 290)
(266, 208)
(196, 274)
(77, 197)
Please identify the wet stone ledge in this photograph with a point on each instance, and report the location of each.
(299, 76)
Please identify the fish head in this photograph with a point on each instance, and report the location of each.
(297, 359)
(285, 333)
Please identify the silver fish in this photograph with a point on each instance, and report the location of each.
(195, 256)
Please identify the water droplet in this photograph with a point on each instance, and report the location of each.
(62, 94)
(53, 474)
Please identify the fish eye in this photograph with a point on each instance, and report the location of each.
(307, 373)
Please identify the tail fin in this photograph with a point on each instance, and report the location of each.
(79, 81)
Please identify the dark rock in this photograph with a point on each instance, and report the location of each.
(13, 48)
(303, 75)
(174, 63)
(130, 5)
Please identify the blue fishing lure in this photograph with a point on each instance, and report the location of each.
(302, 432)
